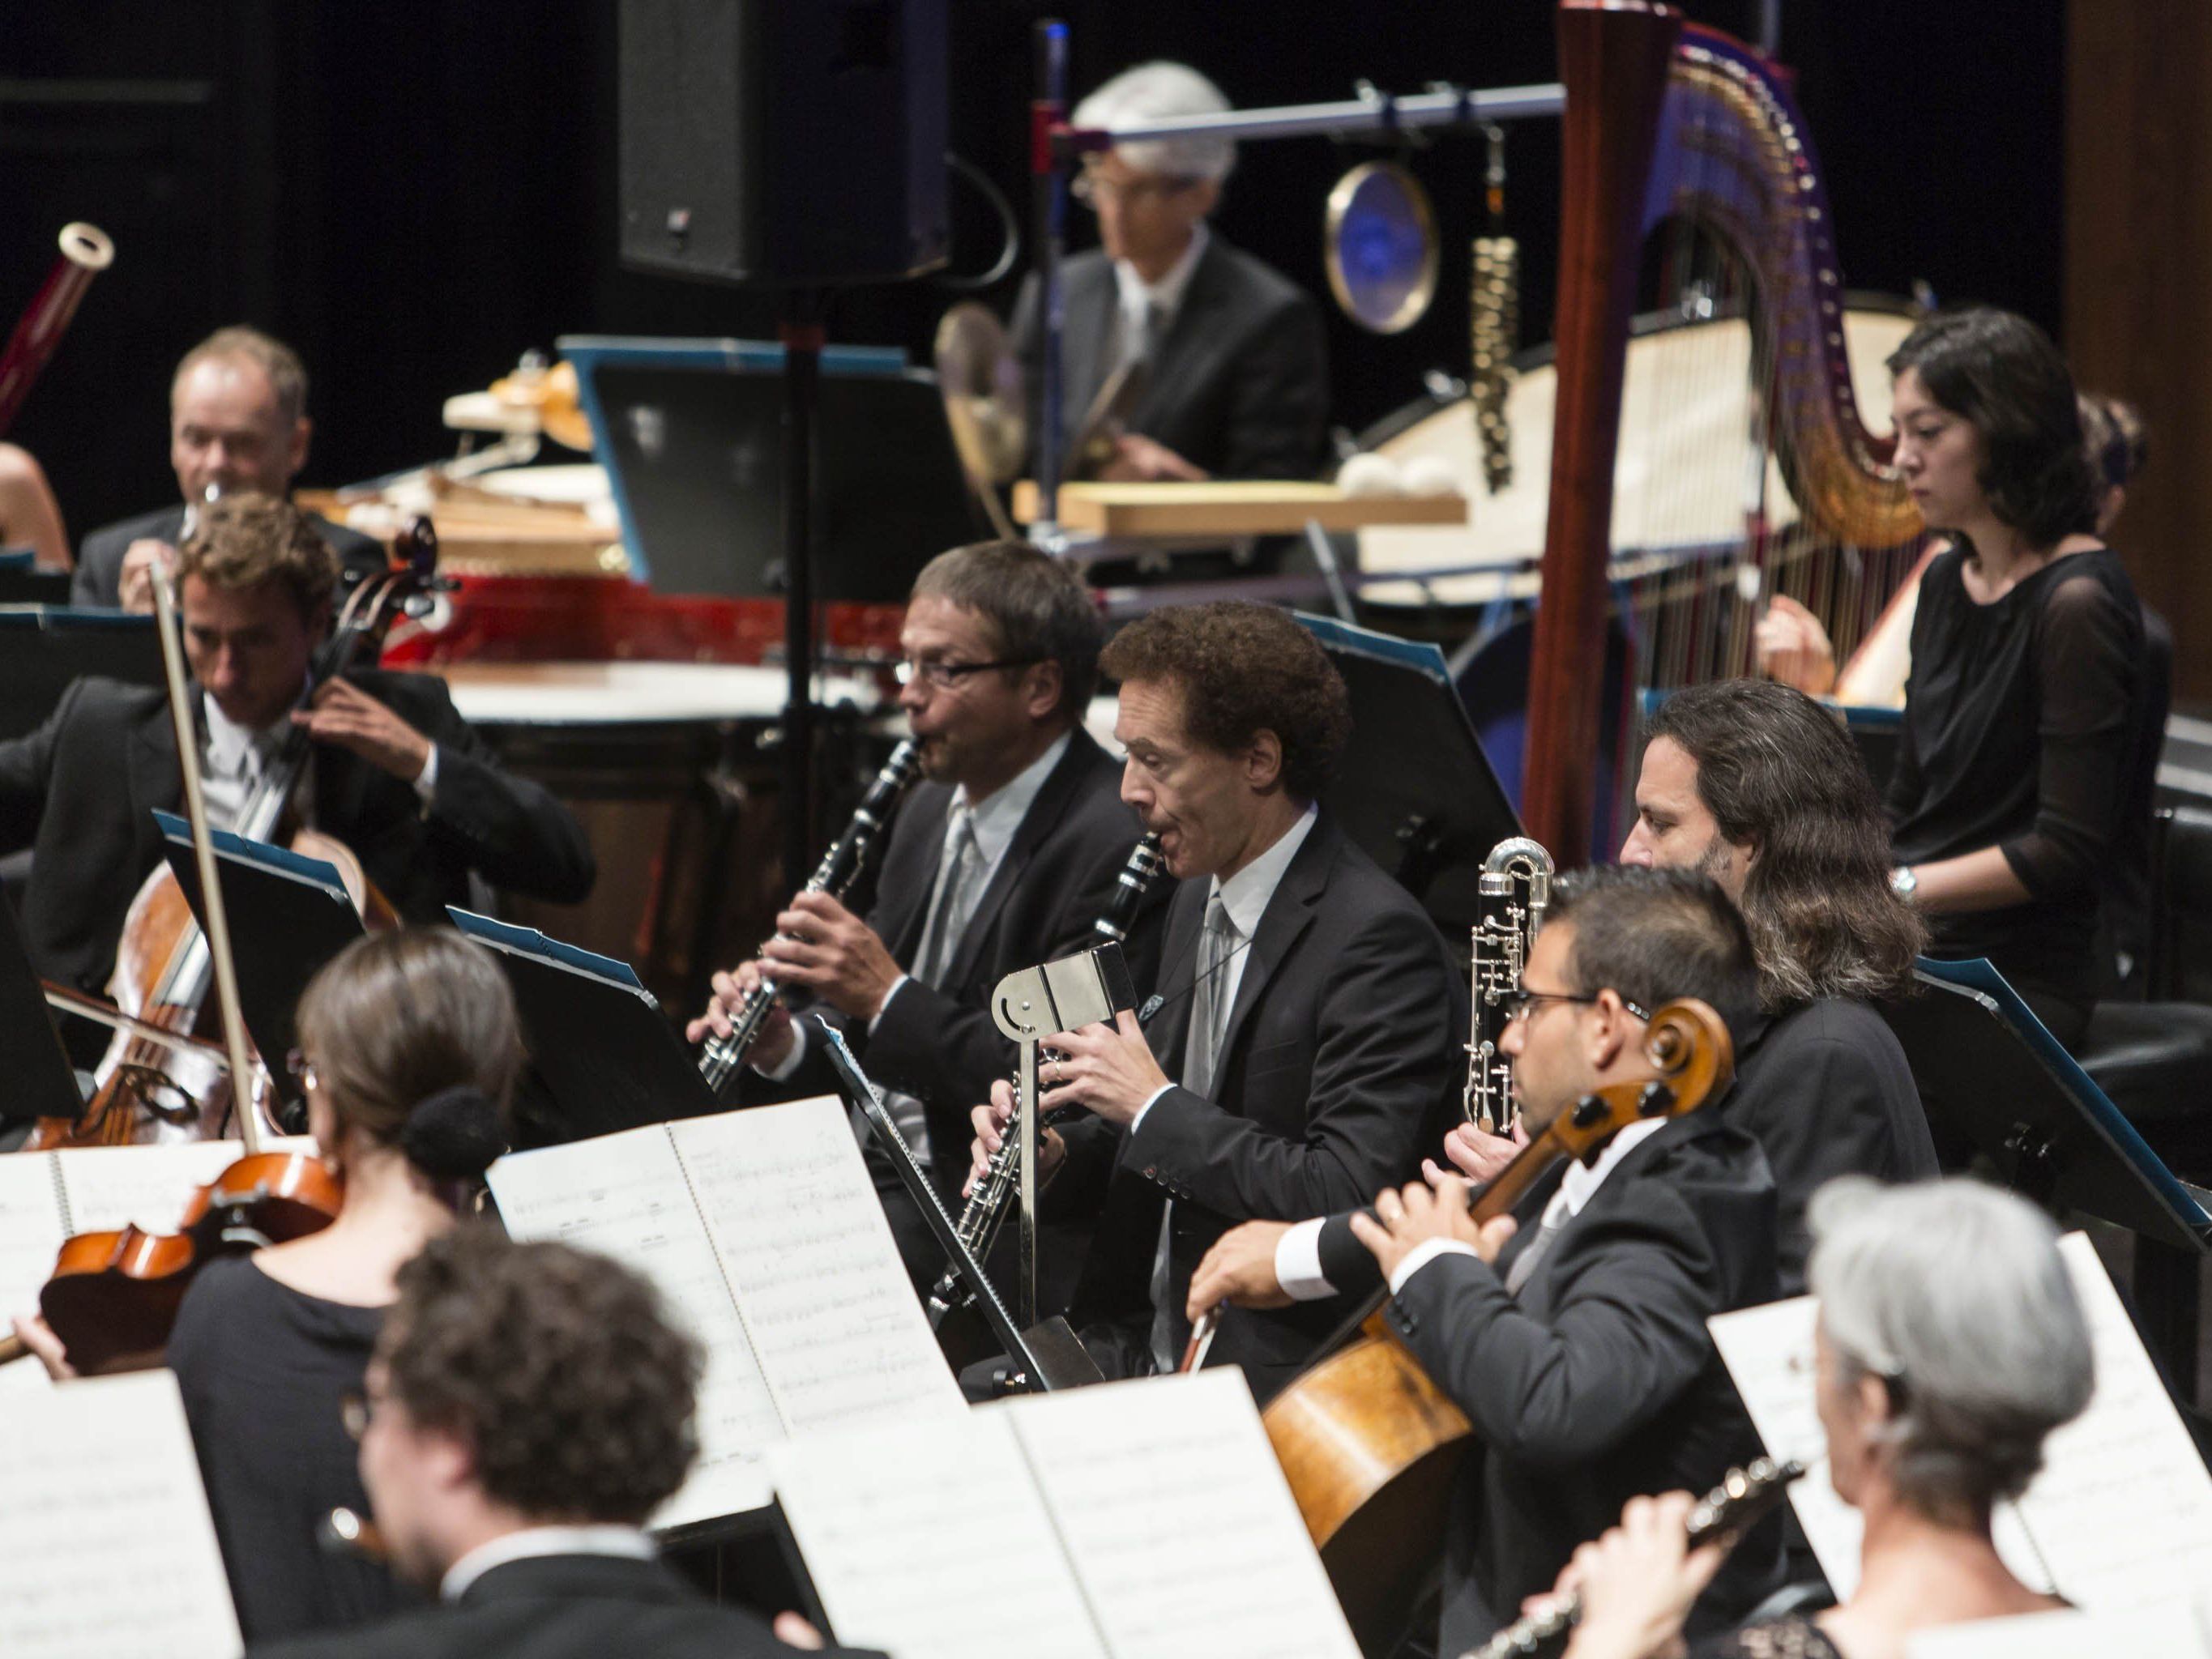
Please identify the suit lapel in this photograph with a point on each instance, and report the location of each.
(907, 891)
(1184, 351)
(156, 779)
(1288, 914)
(1043, 816)
(1170, 1026)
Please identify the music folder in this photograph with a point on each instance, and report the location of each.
(41, 1081)
(599, 1040)
(288, 915)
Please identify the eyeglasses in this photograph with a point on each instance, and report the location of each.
(945, 676)
(1519, 1004)
(354, 1412)
(1091, 187)
(303, 1070)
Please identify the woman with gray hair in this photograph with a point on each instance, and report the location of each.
(1950, 1345)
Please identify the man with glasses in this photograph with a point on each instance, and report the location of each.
(1002, 858)
(1572, 1332)
(1182, 357)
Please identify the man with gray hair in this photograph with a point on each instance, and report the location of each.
(1183, 358)
(238, 421)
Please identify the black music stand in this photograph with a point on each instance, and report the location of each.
(45, 648)
(1994, 1079)
(1046, 1355)
(1414, 789)
(288, 915)
(598, 1042)
(41, 1083)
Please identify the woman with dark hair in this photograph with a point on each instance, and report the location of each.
(2027, 697)
(408, 1049)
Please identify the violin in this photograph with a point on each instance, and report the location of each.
(113, 1296)
(1368, 1441)
(154, 1092)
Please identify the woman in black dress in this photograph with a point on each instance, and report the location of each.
(1950, 1345)
(409, 1048)
(2026, 698)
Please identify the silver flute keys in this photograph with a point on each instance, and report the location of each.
(720, 1056)
(1515, 889)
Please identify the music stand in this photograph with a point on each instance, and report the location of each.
(41, 1083)
(1990, 1073)
(288, 915)
(1413, 788)
(44, 649)
(1048, 1355)
(599, 1040)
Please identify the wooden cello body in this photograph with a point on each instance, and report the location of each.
(1368, 1441)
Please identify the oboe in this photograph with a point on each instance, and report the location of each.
(720, 1056)
(985, 1212)
(1730, 1510)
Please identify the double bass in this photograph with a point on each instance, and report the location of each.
(152, 1092)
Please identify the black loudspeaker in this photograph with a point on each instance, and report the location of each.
(788, 143)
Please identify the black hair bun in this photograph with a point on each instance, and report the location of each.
(454, 1134)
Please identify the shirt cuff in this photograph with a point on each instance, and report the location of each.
(883, 1007)
(1135, 1121)
(790, 1061)
(1423, 1254)
(426, 782)
(1297, 1263)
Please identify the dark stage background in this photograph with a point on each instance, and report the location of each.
(412, 193)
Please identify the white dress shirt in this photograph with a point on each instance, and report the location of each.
(628, 1543)
(1137, 296)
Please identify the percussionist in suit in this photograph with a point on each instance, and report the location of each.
(238, 420)
(1306, 1047)
(1217, 359)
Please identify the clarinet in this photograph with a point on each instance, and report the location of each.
(1743, 1497)
(1500, 948)
(719, 1056)
(984, 1212)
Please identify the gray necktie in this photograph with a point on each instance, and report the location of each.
(1524, 1265)
(1209, 1018)
(956, 881)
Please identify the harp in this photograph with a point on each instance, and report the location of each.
(1688, 174)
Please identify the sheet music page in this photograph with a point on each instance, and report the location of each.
(106, 1544)
(2122, 1510)
(625, 1195)
(30, 1235)
(1181, 1528)
(840, 1332)
(929, 1540)
(2171, 1633)
(111, 1187)
(1769, 1353)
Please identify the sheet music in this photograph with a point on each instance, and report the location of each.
(1179, 1521)
(625, 1194)
(106, 1544)
(30, 1234)
(111, 1186)
(802, 1235)
(2119, 1517)
(2171, 1633)
(930, 1541)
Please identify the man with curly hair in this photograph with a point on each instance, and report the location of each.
(528, 1408)
(1305, 1047)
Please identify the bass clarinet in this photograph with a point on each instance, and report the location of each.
(1503, 936)
(985, 1212)
(720, 1056)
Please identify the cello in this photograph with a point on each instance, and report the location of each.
(1368, 1441)
(149, 1092)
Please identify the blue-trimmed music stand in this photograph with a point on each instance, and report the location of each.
(45, 648)
(41, 1080)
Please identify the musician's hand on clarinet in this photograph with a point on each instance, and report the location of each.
(1417, 1212)
(1475, 1153)
(1636, 1582)
(1107, 1069)
(135, 580)
(1793, 647)
(342, 713)
(992, 1125)
(731, 990)
(39, 1337)
(1240, 1270)
(822, 945)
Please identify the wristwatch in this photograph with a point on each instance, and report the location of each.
(1904, 882)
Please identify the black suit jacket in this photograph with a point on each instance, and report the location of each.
(1240, 384)
(81, 787)
(1057, 877)
(556, 1606)
(99, 578)
(1339, 1068)
(1825, 1090)
(1599, 1381)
